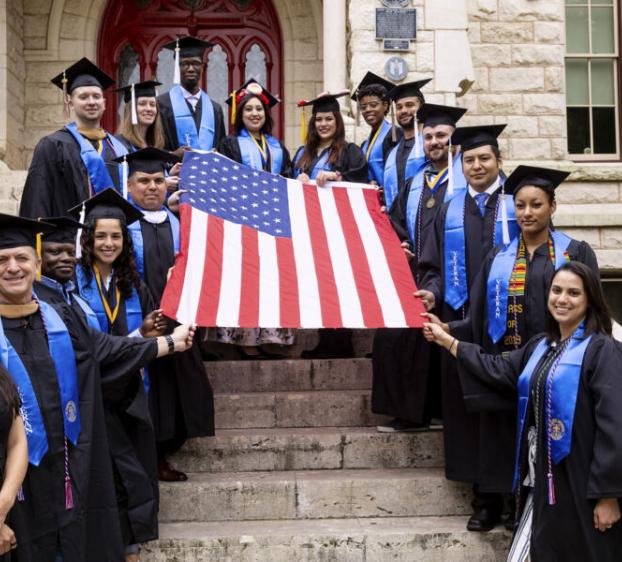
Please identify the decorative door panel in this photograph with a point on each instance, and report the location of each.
(246, 33)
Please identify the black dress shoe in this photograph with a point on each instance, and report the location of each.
(483, 520)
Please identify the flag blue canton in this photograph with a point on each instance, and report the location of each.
(236, 193)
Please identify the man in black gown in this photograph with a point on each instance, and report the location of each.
(67, 510)
(76, 161)
(189, 117)
(402, 359)
(181, 398)
(464, 432)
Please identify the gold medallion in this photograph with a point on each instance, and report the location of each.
(430, 203)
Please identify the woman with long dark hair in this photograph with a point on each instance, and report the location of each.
(508, 307)
(108, 279)
(568, 471)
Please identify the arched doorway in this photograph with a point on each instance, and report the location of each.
(246, 32)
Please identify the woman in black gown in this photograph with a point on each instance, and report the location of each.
(13, 459)
(568, 473)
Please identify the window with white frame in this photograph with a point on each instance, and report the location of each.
(592, 79)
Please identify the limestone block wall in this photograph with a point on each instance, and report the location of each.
(12, 70)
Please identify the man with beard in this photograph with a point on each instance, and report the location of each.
(402, 359)
(189, 117)
(75, 162)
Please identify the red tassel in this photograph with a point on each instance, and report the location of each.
(68, 494)
(551, 489)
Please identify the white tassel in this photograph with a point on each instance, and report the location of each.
(133, 102)
(177, 75)
(124, 173)
(505, 229)
(79, 232)
(450, 171)
(417, 139)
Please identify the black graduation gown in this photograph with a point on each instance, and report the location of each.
(496, 460)
(171, 142)
(132, 442)
(463, 431)
(230, 147)
(89, 531)
(351, 163)
(402, 360)
(592, 470)
(180, 398)
(57, 178)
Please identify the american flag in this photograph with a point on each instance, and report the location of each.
(259, 250)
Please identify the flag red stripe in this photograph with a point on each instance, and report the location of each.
(370, 305)
(329, 298)
(289, 305)
(174, 287)
(398, 265)
(212, 273)
(249, 289)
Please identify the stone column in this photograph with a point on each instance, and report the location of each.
(334, 31)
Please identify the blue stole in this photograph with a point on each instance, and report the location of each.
(321, 164)
(137, 239)
(67, 292)
(416, 190)
(564, 396)
(389, 184)
(184, 121)
(94, 162)
(499, 281)
(251, 155)
(61, 350)
(375, 160)
(456, 285)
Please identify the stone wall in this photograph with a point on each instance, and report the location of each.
(12, 70)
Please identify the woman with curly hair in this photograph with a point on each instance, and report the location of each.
(109, 281)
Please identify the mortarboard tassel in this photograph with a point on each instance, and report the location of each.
(124, 173)
(417, 138)
(79, 232)
(303, 127)
(68, 493)
(133, 102)
(20, 494)
(393, 126)
(177, 74)
(551, 494)
(504, 218)
(38, 247)
(234, 106)
(450, 170)
(65, 97)
(357, 119)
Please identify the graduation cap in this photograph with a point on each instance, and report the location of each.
(65, 232)
(19, 231)
(149, 160)
(431, 114)
(185, 47)
(372, 79)
(476, 136)
(545, 178)
(107, 204)
(409, 89)
(251, 88)
(145, 89)
(325, 102)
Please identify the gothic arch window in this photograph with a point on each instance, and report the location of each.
(247, 35)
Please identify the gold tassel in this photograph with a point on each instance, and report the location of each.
(234, 106)
(303, 127)
(39, 256)
(393, 126)
(65, 97)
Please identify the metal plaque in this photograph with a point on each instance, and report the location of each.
(396, 44)
(396, 23)
(396, 3)
(396, 69)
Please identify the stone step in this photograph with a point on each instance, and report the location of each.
(317, 408)
(319, 494)
(403, 539)
(289, 375)
(9, 206)
(330, 448)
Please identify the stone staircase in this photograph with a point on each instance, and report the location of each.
(297, 472)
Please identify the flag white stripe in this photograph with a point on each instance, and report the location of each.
(193, 278)
(380, 272)
(308, 290)
(229, 302)
(349, 304)
(269, 298)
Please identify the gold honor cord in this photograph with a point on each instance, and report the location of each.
(112, 315)
(372, 142)
(262, 148)
(432, 185)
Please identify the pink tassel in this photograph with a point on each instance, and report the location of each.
(68, 494)
(20, 494)
(551, 489)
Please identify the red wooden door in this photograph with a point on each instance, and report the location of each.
(246, 32)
